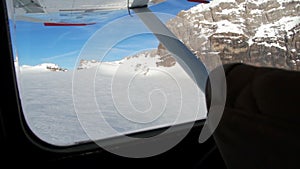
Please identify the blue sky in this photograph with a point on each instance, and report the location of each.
(62, 45)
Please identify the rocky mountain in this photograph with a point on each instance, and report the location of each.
(86, 64)
(262, 33)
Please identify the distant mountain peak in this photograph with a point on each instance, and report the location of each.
(44, 67)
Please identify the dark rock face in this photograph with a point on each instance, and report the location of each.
(249, 31)
(166, 59)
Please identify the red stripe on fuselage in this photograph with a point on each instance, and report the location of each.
(67, 24)
(200, 1)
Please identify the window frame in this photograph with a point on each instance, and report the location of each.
(16, 132)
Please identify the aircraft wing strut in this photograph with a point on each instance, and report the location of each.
(189, 62)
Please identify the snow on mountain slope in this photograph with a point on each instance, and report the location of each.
(44, 67)
(108, 92)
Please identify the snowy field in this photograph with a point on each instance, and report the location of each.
(107, 99)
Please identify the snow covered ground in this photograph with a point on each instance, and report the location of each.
(129, 95)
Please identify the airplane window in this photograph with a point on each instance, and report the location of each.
(95, 63)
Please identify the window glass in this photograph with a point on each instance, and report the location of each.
(95, 63)
(93, 57)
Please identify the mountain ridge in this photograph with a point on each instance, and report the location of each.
(247, 31)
